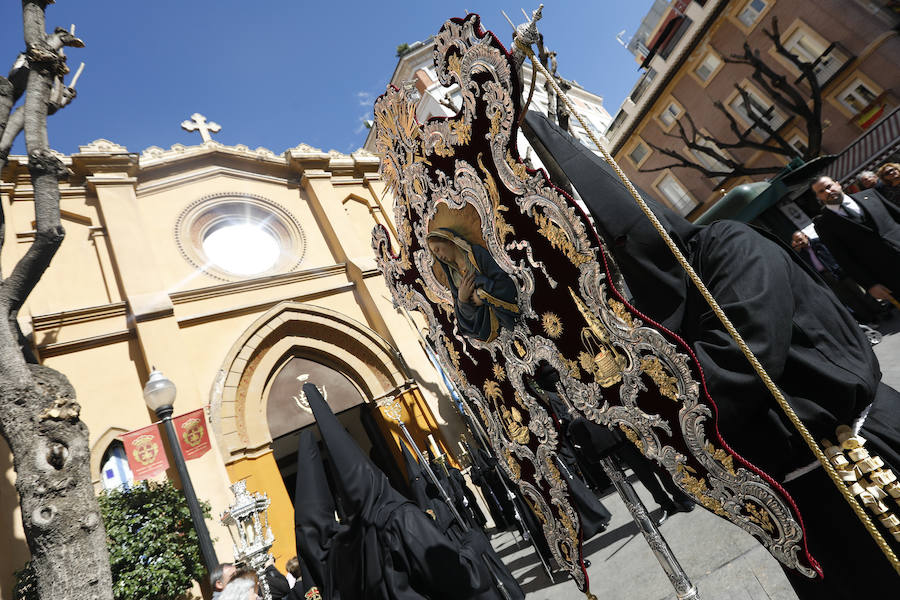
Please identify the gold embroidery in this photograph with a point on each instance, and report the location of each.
(759, 516)
(559, 240)
(502, 227)
(499, 372)
(441, 148)
(632, 436)
(600, 358)
(495, 124)
(518, 169)
(665, 382)
(552, 325)
(571, 366)
(514, 467)
(453, 64)
(621, 312)
(492, 390)
(512, 418)
(462, 130)
(723, 457)
(520, 349)
(452, 352)
(698, 489)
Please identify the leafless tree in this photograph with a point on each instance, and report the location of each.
(798, 102)
(38, 412)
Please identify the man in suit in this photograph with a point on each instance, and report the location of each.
(863, 234)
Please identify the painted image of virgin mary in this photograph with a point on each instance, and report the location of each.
(484, 296)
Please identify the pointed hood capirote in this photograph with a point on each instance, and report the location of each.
(364, 489)
(314, 523)
(656, 280)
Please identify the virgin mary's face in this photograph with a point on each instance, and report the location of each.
(443, 250)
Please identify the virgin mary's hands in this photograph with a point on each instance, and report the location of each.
(467, 289)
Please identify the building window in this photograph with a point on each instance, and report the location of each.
(114, 469)
(749, 15)
(707, 67)
(675, 193)
(709, 162)
(233, 236)
(802, 45)
(857, 96)
(639, 153)
(798, 143)
(242, 246)
(670, 114)
(761, 109)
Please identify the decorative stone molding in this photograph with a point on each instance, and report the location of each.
(102, 146)
(155, 155)
(240, 393)
(200, 217)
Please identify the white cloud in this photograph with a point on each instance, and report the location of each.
(362, 119)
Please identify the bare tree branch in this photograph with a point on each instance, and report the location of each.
(788, 96)
(39, 416)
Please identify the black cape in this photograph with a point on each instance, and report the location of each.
(431, 501)
(804, 338)
(387, 549)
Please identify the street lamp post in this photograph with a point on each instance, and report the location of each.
(159, 394)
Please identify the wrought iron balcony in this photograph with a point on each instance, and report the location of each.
(642, 85)
(830, 63)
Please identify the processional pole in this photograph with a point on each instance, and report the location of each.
(393, 410)
(524, 36)
(475, 427)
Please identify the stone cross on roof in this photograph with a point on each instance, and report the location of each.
(198, 121)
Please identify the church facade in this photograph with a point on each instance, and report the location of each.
(240, 274)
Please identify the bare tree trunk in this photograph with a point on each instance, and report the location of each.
(38, 411)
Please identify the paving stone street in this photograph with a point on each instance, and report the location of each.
(720, 559)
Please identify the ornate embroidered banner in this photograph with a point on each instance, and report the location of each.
(509, 274)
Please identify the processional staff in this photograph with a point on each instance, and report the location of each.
(394, 410)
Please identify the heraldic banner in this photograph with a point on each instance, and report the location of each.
(145, 452)
(192, 434)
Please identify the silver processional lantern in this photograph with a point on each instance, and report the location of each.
(247, 521)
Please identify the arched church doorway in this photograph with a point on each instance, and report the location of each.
(288, 414)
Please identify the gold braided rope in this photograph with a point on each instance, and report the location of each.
(726, 322)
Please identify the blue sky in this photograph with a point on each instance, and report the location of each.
(275, 74)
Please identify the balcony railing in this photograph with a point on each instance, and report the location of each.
(830, 63)
(642, 85)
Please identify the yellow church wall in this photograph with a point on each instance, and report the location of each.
(262, 476)
(120, 297)
(80, 274)
(160, 211)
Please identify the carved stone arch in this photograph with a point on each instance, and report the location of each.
(99, 448)
(237, 405)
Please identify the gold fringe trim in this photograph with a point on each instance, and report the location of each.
(866, 476)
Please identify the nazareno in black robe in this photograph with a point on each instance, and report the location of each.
(388, 549)
(429, 499)
(314, 516)
(802, 335)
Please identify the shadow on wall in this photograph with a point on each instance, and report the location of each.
(15, 550)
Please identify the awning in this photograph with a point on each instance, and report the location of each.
(870, 149)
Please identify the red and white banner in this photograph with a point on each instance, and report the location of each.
(193, 437)
(145, 451)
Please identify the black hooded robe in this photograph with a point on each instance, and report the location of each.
(388, 549)
(802, 335)
(429, 499)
